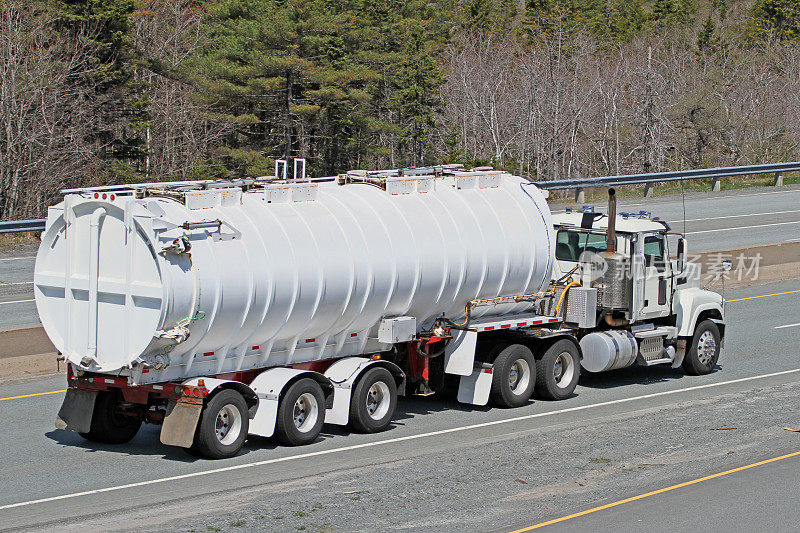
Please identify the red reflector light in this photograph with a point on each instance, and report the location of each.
(505, 326)
(104, 196)
(520, 324)
(310, 340)
(187, 391)
(354, 334)
(196, 392)
(96, 195)
(112, 196)
(208, 353)
(255, 347)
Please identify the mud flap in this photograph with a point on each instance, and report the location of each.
(475, 388)
(180, 422)
(76, 411)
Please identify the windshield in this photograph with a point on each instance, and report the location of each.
(571, 244)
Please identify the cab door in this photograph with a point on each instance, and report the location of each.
(656, 301)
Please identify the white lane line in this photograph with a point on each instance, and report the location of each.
(18, 258)
(695, 199)
(788, 326)
(17, 302)
(389, 441)
(743, 215)
(17, 283)
(742, 227)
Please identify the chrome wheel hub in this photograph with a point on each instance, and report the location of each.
(228, 424)
(305, 412)
(706, 348)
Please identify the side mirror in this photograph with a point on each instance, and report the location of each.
(681, 254)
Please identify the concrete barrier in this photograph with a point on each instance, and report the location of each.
(24, 341)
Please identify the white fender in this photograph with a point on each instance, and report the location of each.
(689, 303)
(268, 386)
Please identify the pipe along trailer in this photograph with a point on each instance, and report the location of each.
(222, 309)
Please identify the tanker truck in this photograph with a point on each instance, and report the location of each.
(225, 309)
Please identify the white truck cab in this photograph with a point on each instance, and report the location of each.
(653, 291)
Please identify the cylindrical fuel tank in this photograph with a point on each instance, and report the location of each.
(608, 350)
(280, 273)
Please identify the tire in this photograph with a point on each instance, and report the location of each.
(301, 413)
(108, 425)
(702, 352)
(373, 402)
(557, 371)
(513, 376)
(223, 426)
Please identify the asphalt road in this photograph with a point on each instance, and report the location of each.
(449, 467)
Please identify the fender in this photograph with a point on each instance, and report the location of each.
(269, 387)
(689, 303)
(344, 374)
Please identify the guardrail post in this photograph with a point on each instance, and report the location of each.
(580, 195)
(648, 189)
(779, 179)
(716, 184)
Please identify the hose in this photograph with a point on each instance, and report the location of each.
(563, 294)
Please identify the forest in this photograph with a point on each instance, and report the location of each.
(112, 91)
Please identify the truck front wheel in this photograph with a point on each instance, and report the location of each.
(513, 376)
(223, 426)
(557, 371)
(703, 350)
(111, 423)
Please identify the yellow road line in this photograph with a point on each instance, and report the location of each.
(659, 491)
(34, 394)
(762, 296)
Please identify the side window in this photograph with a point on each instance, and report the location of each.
(569, 245)
(654, 252)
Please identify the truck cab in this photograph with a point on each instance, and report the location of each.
(655, 290)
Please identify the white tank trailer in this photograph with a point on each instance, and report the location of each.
(269, 307)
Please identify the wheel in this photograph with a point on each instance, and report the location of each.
(223, 426)
(301, 413)
(703, 349)
(513, 376)
(109, 423)
(373, 401)
(557, 371)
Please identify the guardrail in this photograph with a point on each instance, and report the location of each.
(648, 180)
(17, 226)
(714, 174)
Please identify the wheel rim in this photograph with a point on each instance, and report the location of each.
(706, 348)
(564, 370)
(305, 412)
(378, 400)
(519, 376)
(228, 424)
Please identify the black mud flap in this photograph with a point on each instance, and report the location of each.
(76, 411)
(180, 422)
